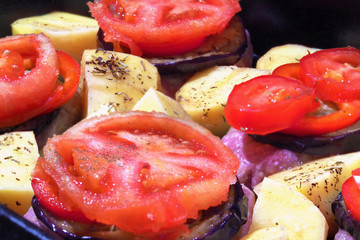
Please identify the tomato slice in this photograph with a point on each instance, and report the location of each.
(30, 91)
(11, 65)
(335, 73)
(347, 113)
(351, 194)
(146, 173)
(162, 27)
(268, 104)
(289, 70)
(70, 71)
(48, 197)
(37, 91)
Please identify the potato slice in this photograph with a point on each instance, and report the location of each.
(154, 100)
(18, 156)
(277, 232)
(205, 94)
(277, 204)
(69, 32)
(279, 55)
(115, 81)
(320, 181)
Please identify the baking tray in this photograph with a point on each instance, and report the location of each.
(317, 23)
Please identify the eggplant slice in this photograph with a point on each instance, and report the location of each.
(226, 48)
(340, 142)
(345, 221)
(221, 222)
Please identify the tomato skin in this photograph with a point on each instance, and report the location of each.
(146, 173)
(268, 104)
(334, 73)
(48, 198)
(351, 194)
(11, 65)
(70, 70)
(289, 70)
(162, 27)
(38, 91)
(18, 103)
(310, 125)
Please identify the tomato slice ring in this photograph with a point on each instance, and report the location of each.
(37, 91)
(166, 25)
(70, 72)
(310, 125)
(335, 73)
(143, 172)
(351, 195)
(20, 93)
(289, 70)
(268, 104)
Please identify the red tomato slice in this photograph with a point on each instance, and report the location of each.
(335, 73)
(289, 70)
(33, 89)
(351, 194)
(143, 172)
(38, 91)
(70, 71)
(268, 104)
(48, 197)
(313, 125)
(164, 27)
(11, 65)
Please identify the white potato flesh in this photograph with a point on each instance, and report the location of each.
(277, 204)
(157, 101)
(18, 157)
(115, 81)
(320, 181)
(205, 94)
(69, 32)
(279, 55)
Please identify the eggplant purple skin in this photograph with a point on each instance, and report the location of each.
(343, 218)
(232, 214)
(184, 64)
(340, 142)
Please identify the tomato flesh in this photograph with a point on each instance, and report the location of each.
(351, 195)
(163, 27)
(289, 70)
(334, 73)
(26, 95)
(146, 173)
(313, 125)
(268, 103)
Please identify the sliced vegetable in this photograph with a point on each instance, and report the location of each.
(220, 222)
(334, 73)
(344, 219)
(30, 94)
(69, 32)
(342, 141)
(269, 103)
(346, 114)
(289, 70)
(205, 94)
(351, 194)
(320, 181)
(115, 81)
(18, 155)
(277, 204)
(162, 27)
(283, 54)
(146, 173)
